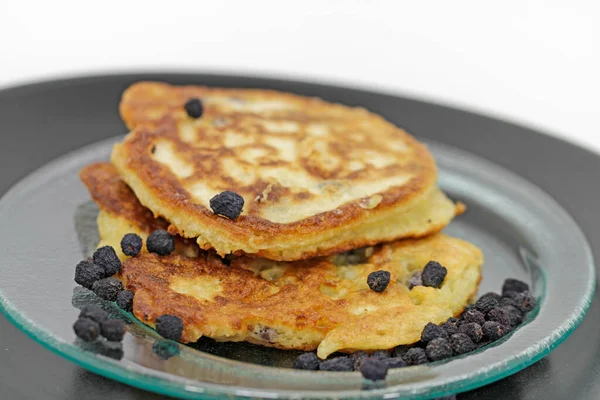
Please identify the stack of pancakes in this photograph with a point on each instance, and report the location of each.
(331, 194)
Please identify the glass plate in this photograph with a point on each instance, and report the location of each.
(48, 225)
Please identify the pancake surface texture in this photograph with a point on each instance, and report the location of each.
(323, 303)
(317, 178)
(122, 213)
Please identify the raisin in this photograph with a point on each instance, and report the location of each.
(337, 364)
(193, 108)
(438, 349)
(308, 361)
(86, 273)
(107, 258)
(515, 316)
(169, 326)
(131, 244)
(498, 315)
(493, 330)
(473, 316)
(399, 351)
(485, 304)
(94, 313)
(113, 329)
(506, 301)
(472, 330)
(451, 326)
(461, 343)
(374, 369)
(433, 274)
(358, 358)
(514, 285)
(525, 302)
(125, 300)
(415, 356)
(160, 242)
(432, 331)
(227, 204)
(107, 288)
(86, 329)
(396, 362)
(378, 280)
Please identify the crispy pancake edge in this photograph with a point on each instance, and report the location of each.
(122, 213)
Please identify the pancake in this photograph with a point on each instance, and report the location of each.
(317, 178)
(122, 213)
(323, 303)
(319, 303)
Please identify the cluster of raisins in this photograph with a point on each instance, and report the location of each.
(96, 274)
(487, 320)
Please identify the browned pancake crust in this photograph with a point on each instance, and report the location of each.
(113, 196)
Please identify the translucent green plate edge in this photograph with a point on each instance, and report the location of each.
(158, 382)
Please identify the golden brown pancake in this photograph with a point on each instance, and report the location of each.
(320, 303)
(317, 178)
(323, 303)
(121, 212)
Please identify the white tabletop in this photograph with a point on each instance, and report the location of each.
(535, 63)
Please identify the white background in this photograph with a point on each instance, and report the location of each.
(536, 63)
